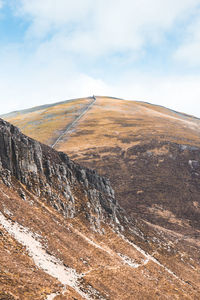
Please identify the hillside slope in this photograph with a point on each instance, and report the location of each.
(151, 155)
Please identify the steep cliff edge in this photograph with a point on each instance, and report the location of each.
(68, 187)
(64, 236)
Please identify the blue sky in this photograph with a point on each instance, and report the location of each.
(54, 50)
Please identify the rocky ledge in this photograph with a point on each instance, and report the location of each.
(68, 187)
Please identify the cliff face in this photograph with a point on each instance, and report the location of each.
(63, 235)
(53, 176)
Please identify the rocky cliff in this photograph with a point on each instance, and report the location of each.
(53, 176)
(61, 234)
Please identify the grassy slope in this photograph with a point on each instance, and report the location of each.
(46, 124)
(133, 144)
(80, 248)
(136, 145)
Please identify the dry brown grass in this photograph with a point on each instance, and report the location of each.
(110, 122)
(67, 240)
(104, 139)
(45, 125)
(124, 123)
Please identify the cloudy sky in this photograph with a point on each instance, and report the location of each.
(52, 50)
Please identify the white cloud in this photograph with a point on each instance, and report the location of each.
(188, 51)
(102, 26)
(55, 12)
(51, 71)
(50, 14)
(181, 93)
(1, 3)
(23, 86)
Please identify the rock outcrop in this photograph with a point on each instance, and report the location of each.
(53, 176)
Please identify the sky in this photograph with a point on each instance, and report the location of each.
(54, 50)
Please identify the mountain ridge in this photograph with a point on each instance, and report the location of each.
(41, 107)
(92, 238)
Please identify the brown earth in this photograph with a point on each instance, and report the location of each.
(152, 157)
(96, 256)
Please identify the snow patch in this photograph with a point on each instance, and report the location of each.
(52, 296)
(48, 263)
(127, 260)
(149, 257)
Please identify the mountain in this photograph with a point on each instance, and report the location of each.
(65, 234)
(149, 153)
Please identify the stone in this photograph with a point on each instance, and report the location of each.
(52, 175)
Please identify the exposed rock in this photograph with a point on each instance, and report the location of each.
(22, 194)
(194, 164)
(52, 175)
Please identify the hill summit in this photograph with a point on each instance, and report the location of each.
(79, 235)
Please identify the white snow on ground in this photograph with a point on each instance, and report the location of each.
(127, 260)
(91, 242)
(48, 263)
(6, 211)
(149, 257)
(54, 267)
(52, 296)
